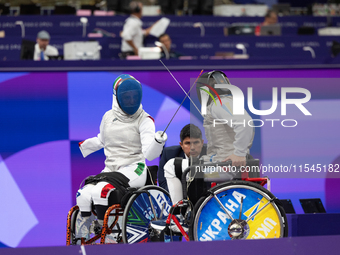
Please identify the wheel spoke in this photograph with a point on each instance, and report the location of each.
(137, 214)
(152, 207)
(224, 209)
(161, 215)
(241, 208)
(247, 203)
(249, 218)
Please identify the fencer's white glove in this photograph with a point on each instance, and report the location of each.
(159, 138)
(156, 146)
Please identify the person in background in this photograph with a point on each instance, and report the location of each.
(42, 49)
(191, 144)
(133, 34)
(269, 19)
(166, 40)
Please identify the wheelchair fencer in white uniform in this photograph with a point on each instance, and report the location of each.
(227, 140)
(218, 215)
(127, 134)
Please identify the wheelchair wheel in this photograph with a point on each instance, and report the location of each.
(238, 210)
(72, 228)
(71, 225)
(147, 204)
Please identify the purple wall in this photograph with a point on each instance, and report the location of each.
(44, 115)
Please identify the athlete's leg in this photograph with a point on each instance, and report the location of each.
(84, 201)
(173, 180)
(100, 194)
(176, 193)
(136, 173)
(175, 188)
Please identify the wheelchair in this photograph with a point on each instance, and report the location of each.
(240, 208)
(128, 222)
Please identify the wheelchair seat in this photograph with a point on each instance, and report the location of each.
(129, 220)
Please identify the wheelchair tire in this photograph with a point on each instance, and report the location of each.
(211, 221)
(138, 213)
(73, 226)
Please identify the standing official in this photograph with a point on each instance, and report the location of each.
(133, 34)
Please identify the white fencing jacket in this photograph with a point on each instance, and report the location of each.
(126, 139)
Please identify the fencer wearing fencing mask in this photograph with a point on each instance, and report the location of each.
(128, 92)
(127, 132)
(229, 136)
(127, 135)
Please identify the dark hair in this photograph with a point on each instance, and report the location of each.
(162, 36)
(190, 130)
(269, 13)
(135, 7)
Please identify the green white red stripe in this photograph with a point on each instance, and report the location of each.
(213, 90)
(116, 83)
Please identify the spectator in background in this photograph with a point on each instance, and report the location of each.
(269, 19)
(166, 40)
(133, 34)
(42, 49)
